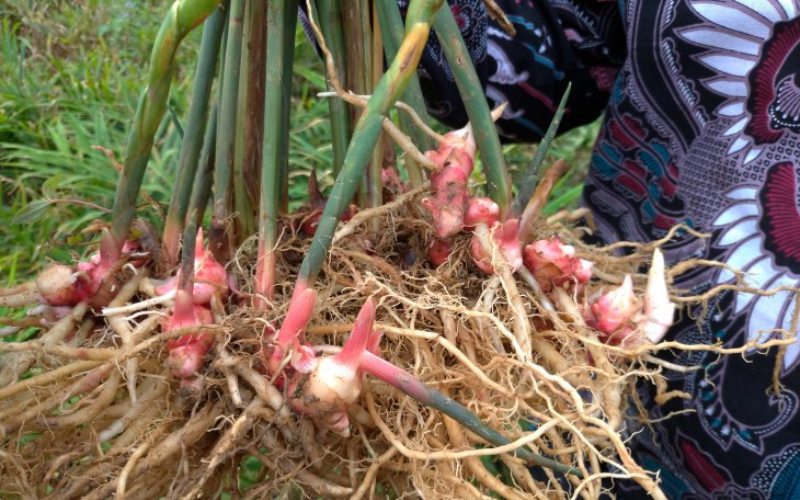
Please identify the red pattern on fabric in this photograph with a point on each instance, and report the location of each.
(763, 82)
(619, 135)
(781, 221)
(704, 471)
(632, 185)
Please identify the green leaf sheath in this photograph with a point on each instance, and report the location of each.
(253, 121)
(531, 177)
(330, 21)
(461, 414)
(471, 91)
(244, 220)
(281, 23)
(226, 134)
(187, 257)
(195, 128)
(197, 206)
(394, 81)
(201, 191)
(392, 29)
(382, 147)
(357, 38)
(183, 16)
(290, 20)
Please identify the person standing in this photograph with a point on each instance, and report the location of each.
(701, 128)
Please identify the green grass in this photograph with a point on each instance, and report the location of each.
(72, 72)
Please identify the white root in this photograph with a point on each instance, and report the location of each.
(152, 389)
(21, 299)
(138, 306)
(13, 365)
(123, 329)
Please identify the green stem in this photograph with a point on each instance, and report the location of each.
(531, 177)
(245, 220)
(256, 38)
(193, 136)
(281, 22)
(408, 384)
(290, 20)
(183, 16)
(186, 280)
(471, 91)
(375, 186)
(391, 23)
(201, 191)
(330, 20)
(357, 74)
(365, 135)
(220, 234)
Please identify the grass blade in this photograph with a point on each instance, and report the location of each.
(531, 177)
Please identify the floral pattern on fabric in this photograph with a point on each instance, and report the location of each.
(701, 128)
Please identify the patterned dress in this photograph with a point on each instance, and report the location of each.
(701, 127)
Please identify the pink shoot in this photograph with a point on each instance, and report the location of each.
(315, 198)
(374, 342)
(290, 334)
(60, 285)
(553, 263)
(395, 376)
(265, 275)
(659, 311)
(582, 270)
(109, 252)
(357, 343)
(481, 210)
(480, 255)
(448, 205)
(390, 179)
(505, 235)
(210, 278)
(186, 353)
(454, 143)
(439, 251)
(335, 381)
(317, 205)
(613, 313)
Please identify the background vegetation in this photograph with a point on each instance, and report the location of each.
(70, 76)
